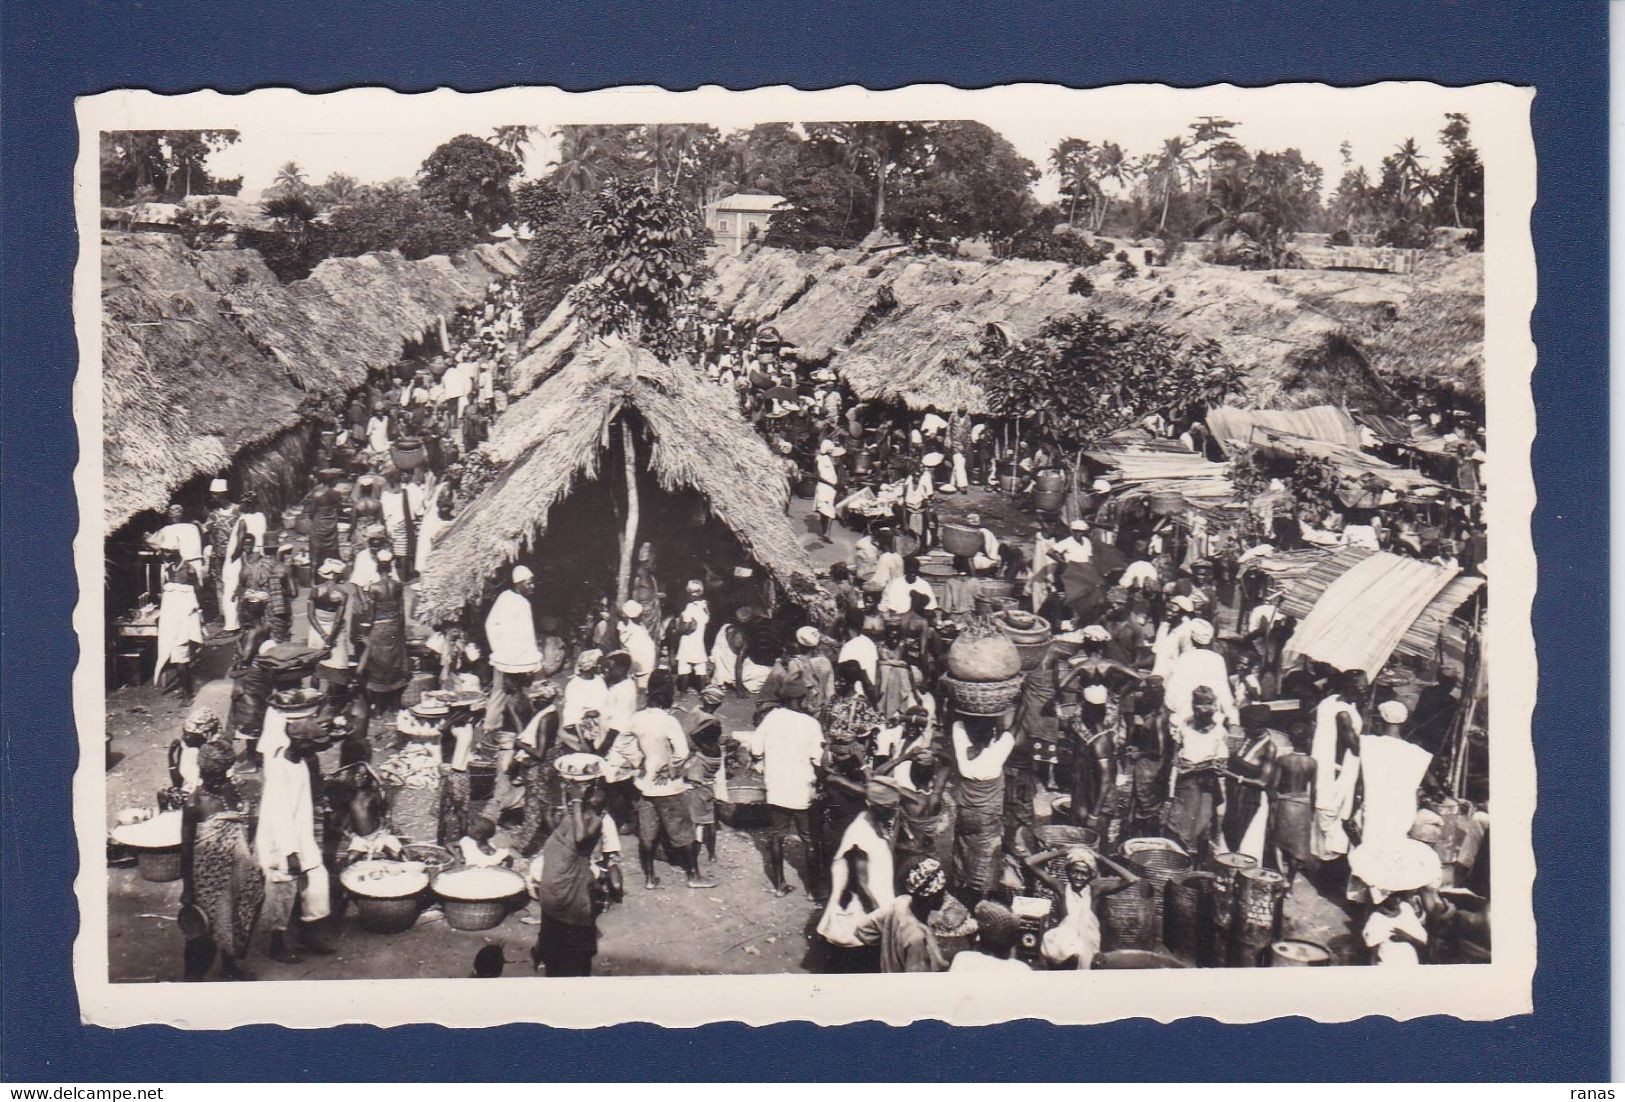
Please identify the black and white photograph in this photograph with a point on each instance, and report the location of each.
(709, 552)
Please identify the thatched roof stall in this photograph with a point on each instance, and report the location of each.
(184, 389)
(205, 354)
(908, 327)
(554, 439)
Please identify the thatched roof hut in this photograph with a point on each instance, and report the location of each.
(205, 353)
(183, 387)
(554, 439)
(908, 327)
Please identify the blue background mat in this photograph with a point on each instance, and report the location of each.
(56, 49)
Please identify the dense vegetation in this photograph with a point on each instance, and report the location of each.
(935, 186)
(1084, 377)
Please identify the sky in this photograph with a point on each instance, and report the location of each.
(376, 146)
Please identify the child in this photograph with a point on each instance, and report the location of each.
(476, 848)
(1395, 932)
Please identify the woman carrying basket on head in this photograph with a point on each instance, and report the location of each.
(981, 746)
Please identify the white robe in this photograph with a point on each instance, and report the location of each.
(691, 645)
(510, 634)
(180, 624)
(1076, 935)
(287, 824)
(839, 924)
(1334, 783)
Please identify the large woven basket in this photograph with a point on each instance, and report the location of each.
(983, 698)
(388, 916)
(1158, 860)
(159, 865)
(1128, 919)
(958, 539)
(474, 914)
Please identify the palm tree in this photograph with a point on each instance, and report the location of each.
(584, 159)
(1165, 170)
(340, 188)
(1408, 160)
(512, 139)
(1110, 163)
(1207, 133)
(1073, 161)
(290, 179)
(666, 145)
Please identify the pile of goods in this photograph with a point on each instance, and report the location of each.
(984, 670)
(388, 894)
(953, 926)
(1029, 633)
(385, 879)
(417, 765)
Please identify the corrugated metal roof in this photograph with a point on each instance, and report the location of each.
(749, 203)
(1394, 583)
(1233, 427)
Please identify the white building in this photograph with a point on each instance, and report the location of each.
(734, 218)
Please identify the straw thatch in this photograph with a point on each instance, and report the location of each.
(183, 388)
(206, 354)
(908, 327)
(554, 439)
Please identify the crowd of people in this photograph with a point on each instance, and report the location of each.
(1160, 706)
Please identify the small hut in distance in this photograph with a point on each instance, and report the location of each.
(698, 456)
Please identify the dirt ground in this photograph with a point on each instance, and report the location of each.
(738, 927)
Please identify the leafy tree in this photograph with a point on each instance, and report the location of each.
(871, 149)
(202, 224)
(380, 219)
(961, 180)
(162, 165)
(1084, 377)
(469, 177)
(647, 250)
(1353, 207)
(1401, 195)
(829, 200)
(1046, 236)
(1208, 133)
(1259, 203)
(562, 248)
(336, 190)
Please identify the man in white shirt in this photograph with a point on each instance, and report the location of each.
(510, 639)
(584, 694)
(860, 648)
(790, 744)
(181, 536)
(662, 806)
(1198, 666)
(1076, 547)
(897, 598)
(637, 641)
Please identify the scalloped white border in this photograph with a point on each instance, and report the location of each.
(1501, 129)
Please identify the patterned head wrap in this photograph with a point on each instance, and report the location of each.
(926, 878)
(202, 723)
